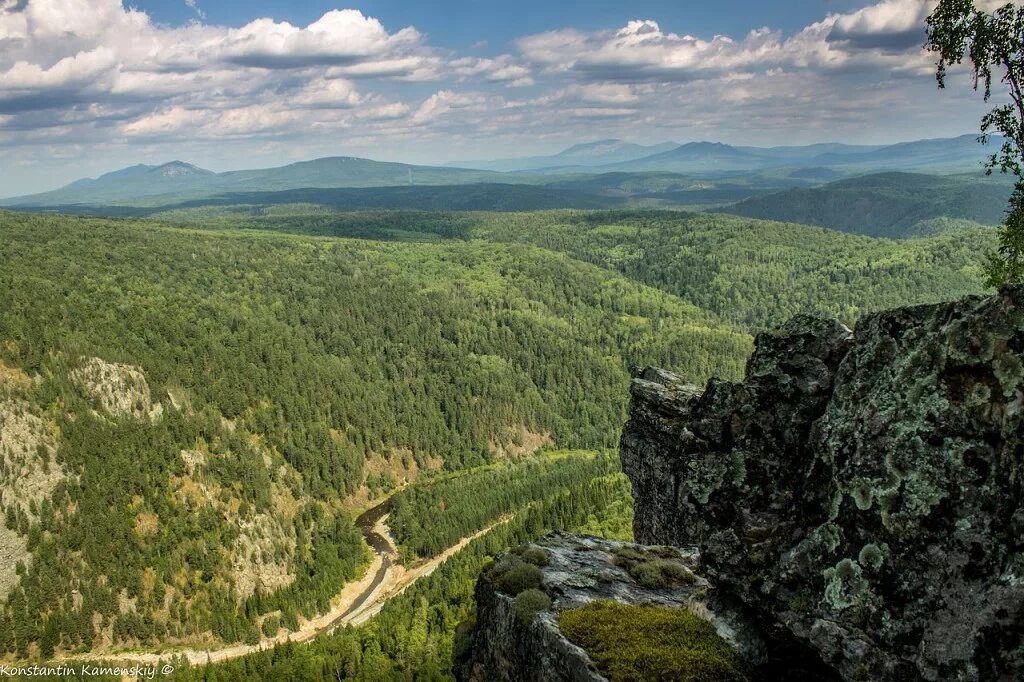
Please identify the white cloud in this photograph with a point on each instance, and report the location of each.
(887, 35)
(329, 94)
(166, 122)
(444, 101)
(116, 51)
(498, 69)
(338, 37)
(194, 6)
(76, 75)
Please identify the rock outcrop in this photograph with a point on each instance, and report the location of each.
(510, 644)
(854, 509)
(121, 390)
(859, 495)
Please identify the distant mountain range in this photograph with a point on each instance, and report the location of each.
(696, 173)
(586, 155)
(938, 155)
(959, 154)
(178, 181)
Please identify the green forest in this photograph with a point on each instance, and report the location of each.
(195, 407)
(753, 274)
(887, 204)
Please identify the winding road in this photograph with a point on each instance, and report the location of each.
(384, 579)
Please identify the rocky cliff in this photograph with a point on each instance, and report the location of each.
(853, 509)
(859, 495)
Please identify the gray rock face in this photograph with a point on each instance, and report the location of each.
(580, 569)
(859, 496)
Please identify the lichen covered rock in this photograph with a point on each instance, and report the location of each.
(517, 634)
(858, 496)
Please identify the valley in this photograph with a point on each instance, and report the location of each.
(454, 341)
(224, 390)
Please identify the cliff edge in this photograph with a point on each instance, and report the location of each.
(859, 494)
(852, 510)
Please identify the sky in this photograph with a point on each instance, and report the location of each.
(89, 86)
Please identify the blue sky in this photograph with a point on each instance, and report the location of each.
(461, 24)
(87, 86)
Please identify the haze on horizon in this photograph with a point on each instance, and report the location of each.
(88, 86)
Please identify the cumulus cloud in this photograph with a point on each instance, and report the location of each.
(444, 101)
(79, 73)
(111, 51)
(886, 35)
(338, 37)
(891, 25)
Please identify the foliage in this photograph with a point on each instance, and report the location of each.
(654, 567)
(888, 205)
(292, 360)
(538, 556)
(748, 272)
(529, 603)
(288, 360)
(512, 575)
(425, 519)
(635, 643)
(756, 273)
(957, 29)
(1006, 266)
(414, 635)
(658, 573)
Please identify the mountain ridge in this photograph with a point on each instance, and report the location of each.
(183, 181)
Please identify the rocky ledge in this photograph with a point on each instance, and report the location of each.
(520, 598)
(859, 495)
(852, 510)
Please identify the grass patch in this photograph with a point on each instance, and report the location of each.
(632, 643)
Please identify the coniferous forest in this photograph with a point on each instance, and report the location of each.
(359, 341)
(202, 403)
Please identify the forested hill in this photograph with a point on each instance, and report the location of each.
(184, 413)
(886, 204)
(753, 273)
(189, 416)
(469, 197)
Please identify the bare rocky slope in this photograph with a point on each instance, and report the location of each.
(855, 503)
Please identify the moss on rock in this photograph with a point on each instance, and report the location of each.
(633, 643)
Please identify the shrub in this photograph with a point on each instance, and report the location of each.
(271, 624)
(636, 643)
(661, 573)
(529, 603)
(536, 556)
(653, 567)
(512, 575)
